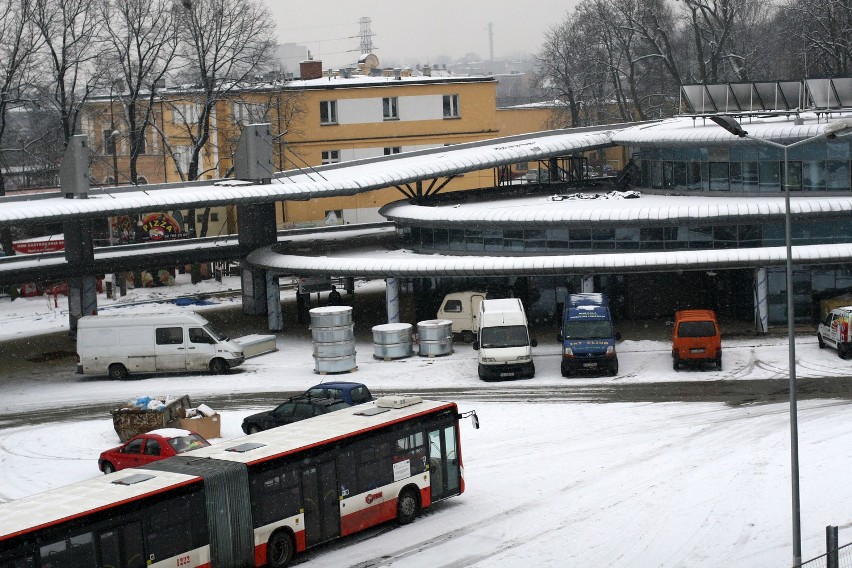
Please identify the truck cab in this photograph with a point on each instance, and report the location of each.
(503, 341)
(588, 336)
(462, 308)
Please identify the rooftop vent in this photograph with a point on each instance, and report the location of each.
(397, 401)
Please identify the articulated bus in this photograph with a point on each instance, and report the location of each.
(252, 501)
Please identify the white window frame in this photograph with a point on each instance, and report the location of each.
(390, 108)
(330, 157)
(328, 112)
(185, 113)
(451, 106)
(246, 113)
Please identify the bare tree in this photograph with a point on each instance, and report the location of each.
(823, 29)
(18, 42)
(70, 31)
(223, 43)
(142, 37)
(561, 71)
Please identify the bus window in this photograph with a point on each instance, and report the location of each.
(78, 551)
(121, 547)
(275, 496)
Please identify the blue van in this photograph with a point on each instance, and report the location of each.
(588, 337)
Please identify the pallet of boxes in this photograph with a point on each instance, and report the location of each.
(146, 413)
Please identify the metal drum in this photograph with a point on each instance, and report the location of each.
(331, 316)
(435, 337)
(392, 341)
(333, 335)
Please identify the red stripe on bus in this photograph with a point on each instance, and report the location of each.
(365, 518)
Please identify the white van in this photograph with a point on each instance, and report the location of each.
(120, 344)
(462, 308)
(504, 344)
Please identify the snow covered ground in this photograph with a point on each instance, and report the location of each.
(549, 482)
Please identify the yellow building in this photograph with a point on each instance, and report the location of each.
(319, 118)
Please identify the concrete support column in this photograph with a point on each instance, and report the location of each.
(392, 299)
(761, 298)
(588, 284)
(273, 303)
(83, 289)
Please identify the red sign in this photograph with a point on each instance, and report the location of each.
(47, 244)
(162, 226)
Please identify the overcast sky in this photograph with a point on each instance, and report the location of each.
(408, 33)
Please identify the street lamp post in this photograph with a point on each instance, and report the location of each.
(831, 130)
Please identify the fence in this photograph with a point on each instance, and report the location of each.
(836, 557)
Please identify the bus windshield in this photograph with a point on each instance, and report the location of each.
(504, 336)
(588, 329)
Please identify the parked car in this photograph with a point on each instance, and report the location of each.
(696, 339)
(149, 447)
(295, 409)
(834, 331)
(350, 393)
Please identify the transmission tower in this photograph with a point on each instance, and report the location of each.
(366, 35)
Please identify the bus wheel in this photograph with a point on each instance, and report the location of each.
(406, 507)
(218, 366)
(117, 372)
(279, 550)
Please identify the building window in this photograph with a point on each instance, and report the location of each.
(141, 145)
(390, 108)
(109, 142)
(393, 150)
(330, 156)
(249, 113)
(185, 113)
(328, 112)
(451, 106)
(182, 156)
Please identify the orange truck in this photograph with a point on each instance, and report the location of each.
(695, 339)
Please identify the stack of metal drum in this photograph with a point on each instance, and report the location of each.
(333, 336)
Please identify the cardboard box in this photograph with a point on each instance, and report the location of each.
(208, 426)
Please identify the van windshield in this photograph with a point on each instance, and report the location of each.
(504, 336)
(588, 329)
(696, 329)
(215, 333)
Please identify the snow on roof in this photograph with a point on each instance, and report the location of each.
(341, 179)
(376, 262)
(648, 209)
(700, 131)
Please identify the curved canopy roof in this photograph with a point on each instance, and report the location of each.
(582, 209)
(379, 263)
(347, 178)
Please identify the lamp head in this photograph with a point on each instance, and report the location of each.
(730, 124)
(835, 127)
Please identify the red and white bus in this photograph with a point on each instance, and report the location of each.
(251, 501)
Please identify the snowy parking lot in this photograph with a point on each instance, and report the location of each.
(552, 480)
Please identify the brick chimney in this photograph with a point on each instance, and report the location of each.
(310, 69)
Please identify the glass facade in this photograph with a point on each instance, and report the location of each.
(819, 166)
(612, 239)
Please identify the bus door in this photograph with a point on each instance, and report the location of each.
(321, 503)
(121, 546)
(444, 472)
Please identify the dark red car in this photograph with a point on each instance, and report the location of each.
(151, 446)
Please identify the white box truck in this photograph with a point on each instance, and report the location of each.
(503, 342)
(462, 308)
(121, 344)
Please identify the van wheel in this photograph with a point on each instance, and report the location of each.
(117, 372)
(841, 350)
(406, 507)
(279, 550)
(613, 370)
(467, 336)
(820, 342)
(218, 366)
